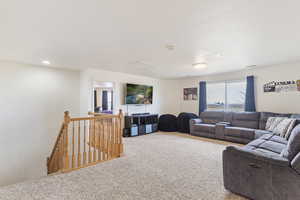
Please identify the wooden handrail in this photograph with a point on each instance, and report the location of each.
(85, 141)
(56, 143)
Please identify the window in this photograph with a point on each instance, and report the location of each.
(227, 95)
(216, 96)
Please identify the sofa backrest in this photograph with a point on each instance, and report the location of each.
(293, 146)
(255, 120)
(296, 116)
(246, 119)
(212, 117)
(264, 118)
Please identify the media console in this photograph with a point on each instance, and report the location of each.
(140, 124)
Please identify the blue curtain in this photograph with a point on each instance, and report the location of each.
(202, 97)
(250, 95)
(104, 101)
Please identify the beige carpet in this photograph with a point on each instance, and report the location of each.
(157, 166)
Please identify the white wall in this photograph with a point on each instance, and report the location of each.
(33, 99)
(160, 93)
(32, 102)
(170, 97)
(286, 102)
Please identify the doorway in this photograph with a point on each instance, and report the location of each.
(103, 93)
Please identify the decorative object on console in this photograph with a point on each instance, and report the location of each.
(140, 124)
(190, 94)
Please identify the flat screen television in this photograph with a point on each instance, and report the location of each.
(138, 94)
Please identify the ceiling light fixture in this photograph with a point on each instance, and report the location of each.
(201, 65)
(46, 62)
(170, 47)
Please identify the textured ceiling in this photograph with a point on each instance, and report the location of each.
(131, 36)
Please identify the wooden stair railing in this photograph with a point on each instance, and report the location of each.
(86, 141)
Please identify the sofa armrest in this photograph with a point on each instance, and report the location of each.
(195, 121)
(220, 129)
(274, 160)
(296, 163)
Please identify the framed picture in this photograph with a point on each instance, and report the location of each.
(282, 86)
(190, 94)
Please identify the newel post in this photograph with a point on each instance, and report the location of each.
(67, 120)
(121, 118)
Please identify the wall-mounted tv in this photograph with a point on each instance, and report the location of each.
(138, 94)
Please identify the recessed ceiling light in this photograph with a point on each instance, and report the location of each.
(46, 62)
(200, 65)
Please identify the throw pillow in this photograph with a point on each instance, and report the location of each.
(293, 146)
(270, 122)
(274, 123)
(282, 127)
(290, 129)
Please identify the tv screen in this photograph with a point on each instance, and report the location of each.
(138, 94)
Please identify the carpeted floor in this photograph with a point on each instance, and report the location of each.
(157, 166)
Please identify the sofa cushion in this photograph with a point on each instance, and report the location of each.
(239, 132)
(267, 144)
(284, 128)
(275, 147)
(259, 133)
(256, 143)
(246, 119)
(264, 116)
(206, 128)
(212, 117)
(266, 136)
(260, 147)
(278, 139)
(293, 146)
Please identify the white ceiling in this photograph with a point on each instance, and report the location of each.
(131, 35)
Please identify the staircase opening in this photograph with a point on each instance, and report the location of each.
(86, 141)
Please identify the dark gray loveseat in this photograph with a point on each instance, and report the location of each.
(267, 168)
(241, 127)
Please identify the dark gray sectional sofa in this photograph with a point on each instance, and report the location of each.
(241, 127)
(268, 167)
